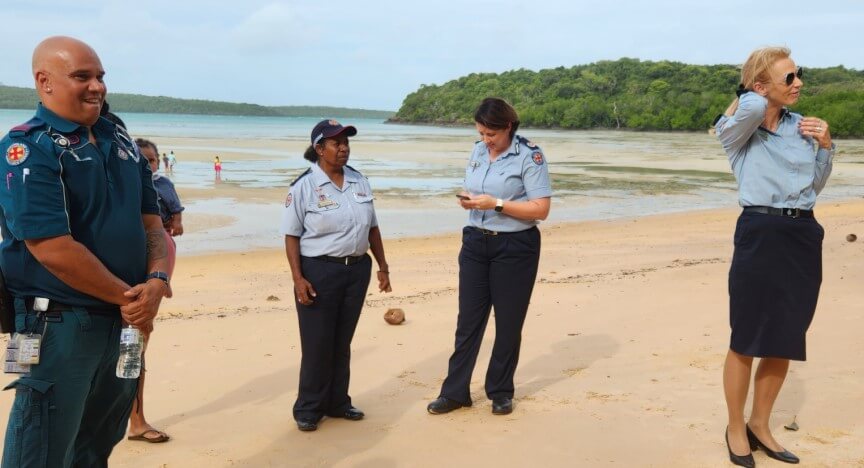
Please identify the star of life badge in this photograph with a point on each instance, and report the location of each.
(17, 153)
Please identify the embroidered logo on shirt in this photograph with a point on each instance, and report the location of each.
(17, 154)
(324, 201)
(538, 158)
(122, 154)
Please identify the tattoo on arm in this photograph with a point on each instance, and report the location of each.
(156, 247)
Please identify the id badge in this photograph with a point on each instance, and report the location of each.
(28, 348)
(10, 364)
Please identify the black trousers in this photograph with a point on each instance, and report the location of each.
(494, 272)
(326, 330)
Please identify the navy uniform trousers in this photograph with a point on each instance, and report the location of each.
(71, 409)
(326, 330)
(495, 271)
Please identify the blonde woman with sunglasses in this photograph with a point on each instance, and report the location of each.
(781, 161)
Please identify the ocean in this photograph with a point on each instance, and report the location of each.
(596, 174)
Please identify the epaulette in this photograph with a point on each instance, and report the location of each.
(21, 130)
(304, 174)
(358, 172)
(526, 142)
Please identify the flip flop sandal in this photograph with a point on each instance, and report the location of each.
(142, 437)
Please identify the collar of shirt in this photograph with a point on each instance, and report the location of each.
(785, 119)
(321, 178)
(67, 126)
(512, 150)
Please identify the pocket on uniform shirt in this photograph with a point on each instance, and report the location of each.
(367, 210)
(325, 219)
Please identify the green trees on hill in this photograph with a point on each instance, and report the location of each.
(628, 93)
(25, 98)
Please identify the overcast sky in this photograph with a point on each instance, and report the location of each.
(371, 53)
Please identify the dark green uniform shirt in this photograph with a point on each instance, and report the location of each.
(55, 182)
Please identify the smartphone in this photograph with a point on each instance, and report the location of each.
(462, 197)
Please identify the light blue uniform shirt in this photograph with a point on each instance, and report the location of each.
(519, 174)
(782, 169)
(330, 220)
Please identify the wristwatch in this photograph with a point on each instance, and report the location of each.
(159, 275)
(499, 205)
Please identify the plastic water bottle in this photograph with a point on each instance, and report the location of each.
(131, 344)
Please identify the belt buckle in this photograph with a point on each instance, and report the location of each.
(347, 259)
(793, 212)
(489, 233)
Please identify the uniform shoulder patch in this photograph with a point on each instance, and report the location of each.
(537, 157)
(22, 129)
(304, 174)
(288, 200)
(17, 153)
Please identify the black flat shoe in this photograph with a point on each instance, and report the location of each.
(502, 406)
(740, 460)
(756, 444)
(443, 405)
(351, 414)
(307, 425)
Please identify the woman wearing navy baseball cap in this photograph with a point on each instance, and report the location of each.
(329, 225)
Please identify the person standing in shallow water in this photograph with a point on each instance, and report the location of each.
(507, 192)
(781, 161)
(329, 224)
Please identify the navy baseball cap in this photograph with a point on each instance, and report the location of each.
(329, 129)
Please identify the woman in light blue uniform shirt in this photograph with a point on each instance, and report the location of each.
(329, 224)
(507, 192)
(781, 161)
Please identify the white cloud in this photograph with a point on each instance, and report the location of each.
(372, 53)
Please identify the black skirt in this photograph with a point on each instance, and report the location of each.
(774, 284)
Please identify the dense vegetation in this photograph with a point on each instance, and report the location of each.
(25, 98)
(630, 94)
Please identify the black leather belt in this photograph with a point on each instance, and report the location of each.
(54, 306)
(342, 260)
(487, 232)
(788, 212)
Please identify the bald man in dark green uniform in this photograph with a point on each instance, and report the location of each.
(81, 228)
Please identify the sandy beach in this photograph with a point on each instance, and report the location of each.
(621, 358)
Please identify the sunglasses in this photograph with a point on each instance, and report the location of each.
(790, 77)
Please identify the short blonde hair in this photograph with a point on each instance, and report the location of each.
(757, 68)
